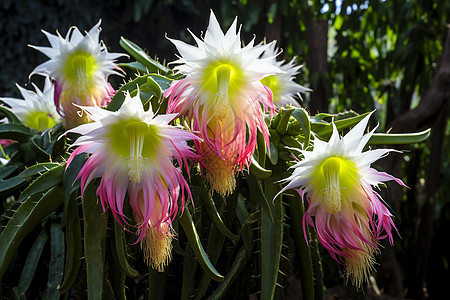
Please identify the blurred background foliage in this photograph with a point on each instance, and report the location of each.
(360, 55)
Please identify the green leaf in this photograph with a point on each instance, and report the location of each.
(7, 170)
(291, 142)
(194, 240)
(261, 150)
(28, 215)
(71, 172)
(317, 266)
(32, 261)
(119, 97)
(236, 268)
(216, 241)
(244, 220)
(52, 140)
(142, 57)
(16, 132)
(342, 124)
(271, 241)
(120, 251)
(95, 222)
(36, 146)
(257, 194)
(73, 244)
(135, 65)
(7, 185)
(296, 211)
(285, 114)
(273, 154)
(163, 82)
(259, 171)
(47, 180)
(152, 87)
(214, 215)
(319, 122)
(17, 295)
(56, 267)
(189, 268)
(399, 138)
(117, 281)
(302, 117)
(157, 282)
(12, 119)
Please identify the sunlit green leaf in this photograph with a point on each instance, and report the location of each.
(399, 138)
(142, 57)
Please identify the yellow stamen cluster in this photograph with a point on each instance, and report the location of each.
(220, 173)
(157, 247)
(360, 264)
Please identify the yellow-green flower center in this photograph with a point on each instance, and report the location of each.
(39, 120)
(333, 179)
(79, 68)
(135, 141)
(273, 84)
(223, 80)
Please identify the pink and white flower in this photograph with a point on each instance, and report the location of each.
(282, 85)
(36, 110)
(223, 98)
(344, 205)
(133, 151)
(80, 66)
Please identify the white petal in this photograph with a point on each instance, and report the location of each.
(53, 39)
(357, 131)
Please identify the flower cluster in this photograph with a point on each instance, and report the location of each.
(224, 99)
(36, 110)
(222, 92)
(79, 66)
(282, 85)
(346, 210)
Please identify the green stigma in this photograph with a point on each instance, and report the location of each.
(222, 80)
(39, 120)
(333, 178)
(273, 84)
(135, 141)
(79, 69)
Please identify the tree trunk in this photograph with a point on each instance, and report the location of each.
(317, 63)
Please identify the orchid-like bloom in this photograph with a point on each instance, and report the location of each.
(282, 85)
(36, 110)
(80, 66)
(340, 186)
(132, 151)
(223, 98)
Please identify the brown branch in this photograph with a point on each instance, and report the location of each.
(434, 99)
